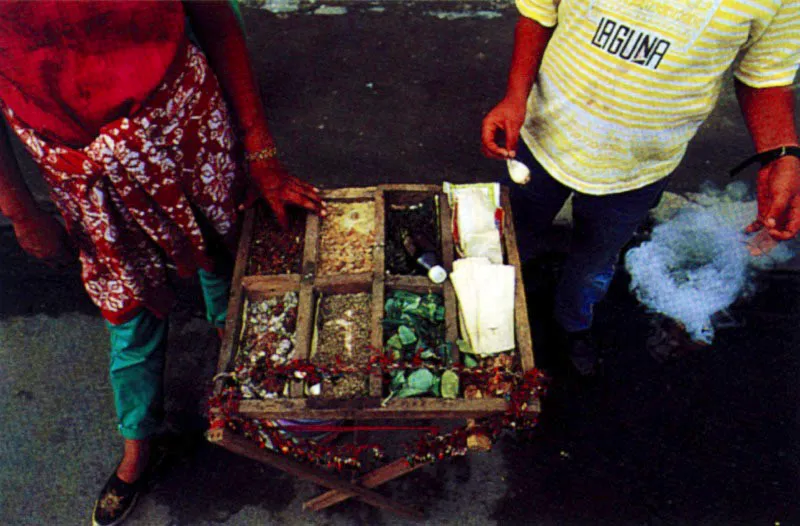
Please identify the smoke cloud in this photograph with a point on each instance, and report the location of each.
(697, 261)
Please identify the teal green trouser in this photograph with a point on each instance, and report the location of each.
(138, 349)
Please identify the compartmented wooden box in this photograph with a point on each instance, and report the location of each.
(317, 270)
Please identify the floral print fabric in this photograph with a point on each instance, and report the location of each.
(136, 196)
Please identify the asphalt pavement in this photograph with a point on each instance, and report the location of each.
(362, 94)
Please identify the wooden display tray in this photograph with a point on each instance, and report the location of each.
(309, 285)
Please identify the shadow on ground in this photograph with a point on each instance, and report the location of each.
(711, 438)
(32, 287)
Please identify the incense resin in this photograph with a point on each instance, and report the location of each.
(347, 236)
(344, 340)
(274, 250)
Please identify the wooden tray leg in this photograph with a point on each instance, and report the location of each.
(246, 448)
(360, 437)
(373, 479)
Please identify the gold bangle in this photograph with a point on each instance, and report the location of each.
(270, 152)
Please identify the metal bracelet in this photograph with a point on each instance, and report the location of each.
(265, 154)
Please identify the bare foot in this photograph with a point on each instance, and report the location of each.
(134, 460)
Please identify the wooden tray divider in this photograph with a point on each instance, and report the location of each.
(451, 320)
(378, 250)
(521, 321)
(233, 323)
(378, 298)
(308, 269)
(305, 326)
(261, 287)
(448, 254)
(269, 285)
(343, 283)
(414, 284)
(376, 337)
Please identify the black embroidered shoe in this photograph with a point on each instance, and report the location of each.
(116, 501)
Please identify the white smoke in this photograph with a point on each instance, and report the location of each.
(697, 261)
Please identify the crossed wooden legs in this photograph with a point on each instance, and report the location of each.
(340, 489)
(373, 479)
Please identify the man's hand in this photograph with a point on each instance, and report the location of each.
(508, 116)
(530, 41)
(270, 180)
(778, 191)
(41, 236)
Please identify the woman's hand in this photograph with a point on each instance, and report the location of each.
(43, 237)
(271, 181)
(222, 40)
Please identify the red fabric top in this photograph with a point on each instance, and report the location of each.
(69, 67)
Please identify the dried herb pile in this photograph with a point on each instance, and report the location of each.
(344, 334)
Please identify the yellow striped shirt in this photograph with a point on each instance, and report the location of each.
(624, 84)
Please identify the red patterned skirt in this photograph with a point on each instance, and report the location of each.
(136, 197)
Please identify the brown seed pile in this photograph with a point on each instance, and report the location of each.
(274, 250)
(347, 236)
(344, 333)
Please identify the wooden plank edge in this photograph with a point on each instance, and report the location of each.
(236, 298)
(422, 188)
(406, 409)
(522, 322)
(352, 193)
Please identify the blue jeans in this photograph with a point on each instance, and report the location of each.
(602, 226)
